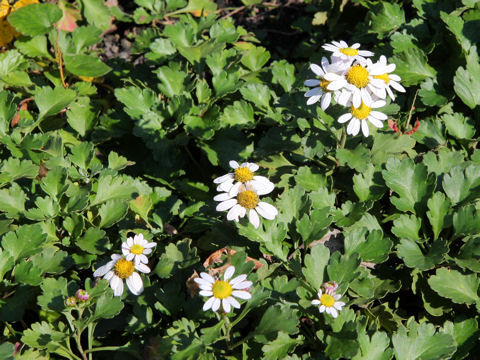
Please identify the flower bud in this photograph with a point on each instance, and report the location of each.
(82, 295)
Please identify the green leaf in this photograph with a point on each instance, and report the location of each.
(240, 113)
(462, 184)
(54, 184)
(46, 208)
(315, 264)
(112, 212)
(111, 188)
(6, 263)
(276, 318)
(386, 18)
(283, 73)
(412, 66)
(160, 48)
(35, 19)
(443, 161)
(6, 351)
(52, 260)
(407, 227)
(225, 83)
(51, 101)
(175, 257)
(314, 226)
(280, 347)
(343, 268)
(465, 333)
(24, 242)
(142, 206)
(413, 257)
(369, 184)
(290, 203)
(12, 309)
(107, 306)
(85, 65)
(469, 255)
(8, 108)
(93, 241)
(44, 336)
(255, 58)
(465, 220)
(411, 182)
(14, 169)
(422, 342)
(386, 146)
(439, 208)
(34, 47)
(224, 31)
(171, 80)
(81, 116)
(54, 292)
(376, 347)
(357, 158)
(429, 93)
(467, 81)
(258, 94)
(27, 273)
(97, 13)
(84, 36)
(459, 126)
(309, 180)
(374, 247)
(12, 201)
(453, 285)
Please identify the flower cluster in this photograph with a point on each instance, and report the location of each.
(240, 193)
(327, 300)
(125, 267)
(351, 79)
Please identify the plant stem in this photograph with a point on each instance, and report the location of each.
(411, 109)
(342, 139)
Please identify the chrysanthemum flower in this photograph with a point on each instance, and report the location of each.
(136, 248)
(118, 269)
(247, 198)
(348, 54)
(320, 91)
(242, 174)
(328, 302)
(223, 292)
(382, 82)
(358, 117)
(356, 84)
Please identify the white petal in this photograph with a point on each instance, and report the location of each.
(263, 188)
(205, 287)
(233, 164)
(147, 251)
(326, 100)
(365, 53)
(242, 285)
(216, 304)
(222, 197)
(226, 305)
(234, 302)
(355, 46)
(397, 86)
(390, 93)
(314, 92)
(241, 294)
(115, 257)
(238, 279)
(223, 178)
(357, 99)
(253, 167)
(333, 312)
(366, 98)
(208, 304)
(234, 212)
(234, 189)
(207, 277)
(109, 275)
(142, 268)
(336, 85)
(312, 100)
(206, 293)
(130, 242)
(378, 115)
(150, 245)
(102, 270)
(365, 129)
(319, 294)
(141, 259)
(229, 272)
(117, 285)
(316, 302)
(311, 82)
(266, 210)
(322, 308)
(378, 104)
(375, 122)
(130, 256)
(316, 69)
(253, 218)
(338, 305)
(353, 127)
(344, 118)
(225, 186)
(227, 204)
(135, 284)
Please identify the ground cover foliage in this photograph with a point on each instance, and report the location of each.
(96, 148)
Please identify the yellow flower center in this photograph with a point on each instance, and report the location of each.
(323, 84)
(247, 199)
(361, 112)
(222, 289)
(327, 300)
(349, 51)
(358, 76)
(137, 249)
(243, 174)
(124, 268)
(383, 77)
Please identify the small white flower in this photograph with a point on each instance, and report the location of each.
(320, 91)
(385, 79)
(136, 248)
(358, 117)
(348, 54)
(223, 292)
(120, 268)
(246, 198)
(328, 302)
(242, 174)
(356, 83)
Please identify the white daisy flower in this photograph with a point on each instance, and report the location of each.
(358, 117)
(355, 83)
(385, 80)
(328, 302)
(245, 199)
(230, 183)
(136, 248)
(348, 54)
(320, 91)
(223, 292)
(120, 268)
